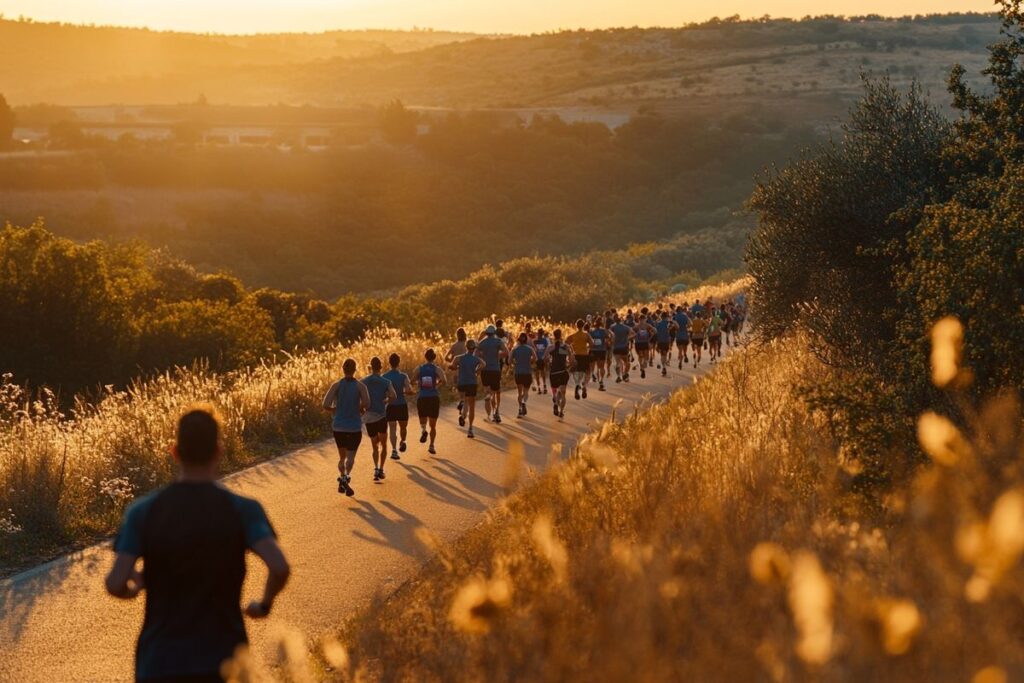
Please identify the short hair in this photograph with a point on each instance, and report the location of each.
(579, 323)
(349, 367)
(499, 322)
(460, 334)
(558, 333)
(198, 435)
(523, 338)
(375, 363)
(430, 355)
(394, 360)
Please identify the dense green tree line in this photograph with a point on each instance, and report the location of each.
(866, 242)
(75, 316)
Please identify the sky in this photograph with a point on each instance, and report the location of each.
(483, 16)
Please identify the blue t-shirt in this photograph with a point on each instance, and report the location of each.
(428, 381)
(599, 340)
(467, 365)
(489, 349)
(643, 334)
(621, 332)
(398, 380)
(377, 387)
(346, 407)
(664, 336)
(696, 310)
(522, 357)
(683, 321)
(192, 537)
(541, 345)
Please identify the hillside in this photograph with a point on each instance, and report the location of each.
(697, 66)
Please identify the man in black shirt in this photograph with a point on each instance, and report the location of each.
(192, 536)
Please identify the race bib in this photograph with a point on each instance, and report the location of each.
(427, 382)
(598, 342)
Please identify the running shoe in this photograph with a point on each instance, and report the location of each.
(348, 487)
(577, 392)
(461, 405)
(469, 434)
(524, 409)
(431, 450)
(600, 387)
(625, 378)
(618, 380)
(643, 373)
(401, 447)
(664, 372)
(394, 455)
(462, 420)
(584, 392)
(341, 485)
(382, 473)
(497, 418)
(423, 436)
(376, 474)
(555, 407)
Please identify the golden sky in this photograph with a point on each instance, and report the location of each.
(497, 16)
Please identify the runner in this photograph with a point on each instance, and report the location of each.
(580, 342)
(493, 352)
(644, 334)
(540, 345)
(523, 358)
(456, 350)
(698, 327)
(697, 310)
(348, 399)
(682, 321)
(715, 336)
(560, 359)
(192, 536)
(665, 330)
(600, 344)
(429, 378)
(622, 335)
(381, 394)
(398, 410)
(467, 367)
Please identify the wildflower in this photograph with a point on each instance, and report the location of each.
(810, 599)
(334, 653)
(513, 464)
(478, 602)
(548, 545)
(769, 563)
(995, 547)
(940, 439)
(990, 674)
(900, 622)
(947, 348)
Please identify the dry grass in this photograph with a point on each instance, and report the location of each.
(715, 538)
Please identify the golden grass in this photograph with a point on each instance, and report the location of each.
(715, 538)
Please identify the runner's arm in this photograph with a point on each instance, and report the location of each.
(278, 572)
(364, 398)
(443, 379)
(124, 581)
(392, 394)
(330, 397)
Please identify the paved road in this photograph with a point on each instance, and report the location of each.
(58, 624)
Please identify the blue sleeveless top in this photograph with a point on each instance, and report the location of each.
(346, 408)
(682, 320)
(377, 387)
(428, 381)
(398, 380)
(599, 339)
(467, 365)
(621, 332)
(664, 336)
(522, 355)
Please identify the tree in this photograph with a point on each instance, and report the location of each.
(398, 124)
(6, 123)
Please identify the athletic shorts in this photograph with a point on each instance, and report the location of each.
(524, 380)
(715, 339)
(491, 379)
(559, 379)
(539, 365)
(664, 346)
(582, 363)
(598, 356)
(683, 343)
(428, 406)
(621, 352)
(378, 427)
(348, 441)
(643, 346)
(697, 342)
(469, 390)
(398, 413)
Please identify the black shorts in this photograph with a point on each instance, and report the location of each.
(539, 365)
(582, 363)
(643, 346)
(715, 339)
(621, 352)
(428, 406)
(683, 343)
(491, 379)
(559, 379)
(524, 380)
(664, 346)
(348, 441)
(598, 356)
(398, 413)
(697, 342)
(468, 390)
(376, 428)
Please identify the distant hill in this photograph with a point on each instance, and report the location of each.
(818, 61)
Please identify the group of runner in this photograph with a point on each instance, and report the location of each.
(602, 344)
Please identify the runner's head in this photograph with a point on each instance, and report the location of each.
(541, 333)
(579, 324)
(529, 327)
(394, 360)
(558, 335)
(499, 323)
(598, 324)
(460, 334)
(471, 344)
(375, 364)
(490, 331)
(664, 315)
(524, 338)
(430, 355)
(198, 436)
(349, 367)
